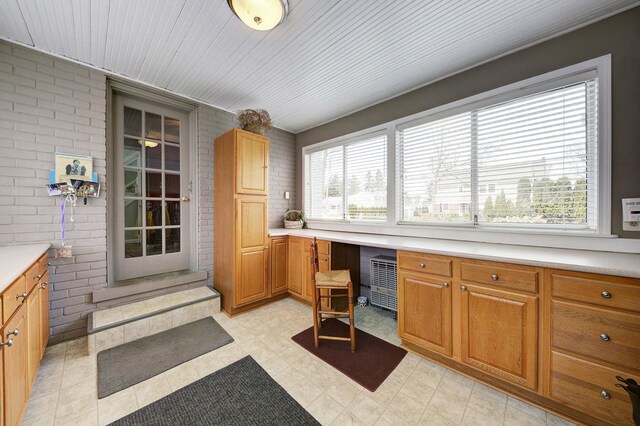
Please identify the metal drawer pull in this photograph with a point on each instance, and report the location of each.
(605, 394)
(44, 284)
(422, 265)
(445, 285)
(37, 277)
(494, 277)
(463, 288)
(8, 343)
(606, 295)
(23, 295)
(604, 337)
(14, 332)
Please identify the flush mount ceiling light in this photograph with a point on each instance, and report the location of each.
(261, 15)
(148, 143)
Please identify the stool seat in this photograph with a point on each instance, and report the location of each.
(333, 279)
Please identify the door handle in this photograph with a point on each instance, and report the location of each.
(185, 198)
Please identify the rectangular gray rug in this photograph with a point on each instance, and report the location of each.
(139, 360)
(239, 394)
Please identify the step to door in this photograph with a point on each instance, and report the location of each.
(111, 327)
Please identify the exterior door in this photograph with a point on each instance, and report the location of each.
(151, 216)
(251, 241)
(252, 171)
(499, 333)
(424, 311)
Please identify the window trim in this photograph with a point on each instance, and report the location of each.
(600, 66)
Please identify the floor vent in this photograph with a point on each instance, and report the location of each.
(384, 287)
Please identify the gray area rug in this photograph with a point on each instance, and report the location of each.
(239, 394)
(139, 360)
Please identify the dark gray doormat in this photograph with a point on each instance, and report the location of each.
(239, 394)
(139, 360)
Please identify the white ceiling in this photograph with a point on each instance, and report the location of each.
(329, 58)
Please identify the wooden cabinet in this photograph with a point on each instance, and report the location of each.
(25, 331)
(251, 250)
(43, 288)
(15, 366)
(296, 267)
(279, 262)
(424, 311)
(33, 336)
(1, 384)
(500, 333)
(594, 336)
(240, 219)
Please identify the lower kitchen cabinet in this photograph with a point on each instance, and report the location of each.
(25, 332)
(500, 333)
(33, 333)
(424, 311)
(279, 264)
(295, 272)
(16, 382)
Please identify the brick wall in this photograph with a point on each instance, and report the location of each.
(50, 105)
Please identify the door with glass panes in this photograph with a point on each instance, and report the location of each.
(151, 213)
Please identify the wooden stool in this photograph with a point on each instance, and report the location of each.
(330, 280)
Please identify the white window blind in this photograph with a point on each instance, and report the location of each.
(348, 182)
(531, 160)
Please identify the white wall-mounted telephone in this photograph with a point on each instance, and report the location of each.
(631, 214)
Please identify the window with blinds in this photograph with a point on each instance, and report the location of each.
(531, 160)
(349, 181)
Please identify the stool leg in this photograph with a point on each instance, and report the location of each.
(352, 328)
(318, 297)
(314, 306)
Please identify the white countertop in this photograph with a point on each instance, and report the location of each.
(620, 264)
(14, 260)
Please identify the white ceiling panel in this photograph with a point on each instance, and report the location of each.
(328, 58)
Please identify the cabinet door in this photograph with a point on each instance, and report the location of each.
(44, 313)
(278, 265)
(307, 284)
(424, 311)
(296, 266)
(1, 385)
(252, 168)
(15, 367)
(324, 264)
(33, 332)
(251, 245)
(500, 332)
(252, 284)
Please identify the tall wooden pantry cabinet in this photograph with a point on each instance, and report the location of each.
(241, 182)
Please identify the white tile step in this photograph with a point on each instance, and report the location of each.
(111, 327)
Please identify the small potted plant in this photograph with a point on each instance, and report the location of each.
(294, 219)
(254, 120)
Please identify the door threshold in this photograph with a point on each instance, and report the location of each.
(148, 283)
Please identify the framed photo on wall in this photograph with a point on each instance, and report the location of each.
(71, 166)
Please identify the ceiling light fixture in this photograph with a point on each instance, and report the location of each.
(261, 15)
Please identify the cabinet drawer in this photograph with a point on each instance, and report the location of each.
(603, 334)
(580, 385)
(622, 294)
(502, 275)
(324, 247)
(429, 264)
(11, 297)
(32, 276)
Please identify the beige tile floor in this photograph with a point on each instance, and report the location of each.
(417, 392)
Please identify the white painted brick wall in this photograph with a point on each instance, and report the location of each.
(49, 105)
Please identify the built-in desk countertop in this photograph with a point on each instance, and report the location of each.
(599, 262)
(14, 260)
